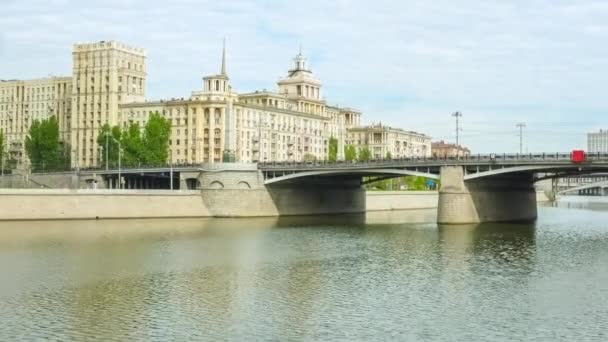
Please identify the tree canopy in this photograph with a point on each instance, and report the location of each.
(156, 140)
(2, 150)
(332, 154)
(364, 154)
(309, 157)
(148, 146)
(350, 153)
(43, 148)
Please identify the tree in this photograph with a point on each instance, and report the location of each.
(1, 150)
(44, 150)
(332, 154)
(149, 147)
(133, 147)
(350, 153)
(111, 136)
(389, 156)
(365, 154)
(309, 157)
(2, 153)
(156, 140)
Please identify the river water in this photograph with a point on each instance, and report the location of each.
(381, 276)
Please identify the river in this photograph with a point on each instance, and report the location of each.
(381, 276)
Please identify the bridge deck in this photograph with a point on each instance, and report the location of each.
(473, 160)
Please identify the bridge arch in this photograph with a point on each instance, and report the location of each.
(535, 169)
(368, 172)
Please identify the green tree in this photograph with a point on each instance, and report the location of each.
(156, 140)
(2, 153)
(389, 155)
(309, 157)
(332, 155)
(110, 136)
(43, 148)
(350, 153)
(149, 147)
(364, 154)
(132, 144)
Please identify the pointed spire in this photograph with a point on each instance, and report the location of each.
(224, 58)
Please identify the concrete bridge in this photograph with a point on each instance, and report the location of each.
(479, 188)
(599, 188)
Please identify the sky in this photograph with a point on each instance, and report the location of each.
(407, 64)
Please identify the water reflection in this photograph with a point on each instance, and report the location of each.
(381, 276)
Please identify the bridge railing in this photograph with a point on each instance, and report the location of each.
(492, 157)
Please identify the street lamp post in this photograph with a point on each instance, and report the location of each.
(521, 126)
(107, 134)
(119, 164)
(171, 169)
(119, 161)
(457, 115)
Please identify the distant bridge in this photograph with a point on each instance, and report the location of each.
(596, 188)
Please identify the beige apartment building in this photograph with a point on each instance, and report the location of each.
(217, 124)
(104, 75)
(381, 140)
(22, 102)
(441, 149)
(212, 124)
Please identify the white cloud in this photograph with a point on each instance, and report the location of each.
(408, 63)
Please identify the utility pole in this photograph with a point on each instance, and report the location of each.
(171, 170)
(457, 115)
(107, 136)
(119, 165)
(521, 126)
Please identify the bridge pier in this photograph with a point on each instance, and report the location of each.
(244, 194)
(501, 198)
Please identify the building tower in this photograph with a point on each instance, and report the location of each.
(302, 86)
(105, 75)
(217, 88)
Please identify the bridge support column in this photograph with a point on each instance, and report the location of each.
(500, 198)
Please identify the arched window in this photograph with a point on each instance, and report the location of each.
(217, 85)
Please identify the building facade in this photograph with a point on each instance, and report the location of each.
(22, 102)
(217, 124)
(597, 141)
(104, 75)
(441, 149)
(212, 124)
(384, 141)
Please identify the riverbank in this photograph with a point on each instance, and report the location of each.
(65, 204)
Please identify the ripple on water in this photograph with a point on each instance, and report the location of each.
(308, 280)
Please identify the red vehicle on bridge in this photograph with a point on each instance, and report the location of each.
(578, 156)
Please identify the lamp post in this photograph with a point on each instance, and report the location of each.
(119, 164)
(107, 134)
(171, 169)
(119, 160)
(521, 126)
(457, 115)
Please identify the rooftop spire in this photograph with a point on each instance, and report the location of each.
(224, 58)
(300, 60)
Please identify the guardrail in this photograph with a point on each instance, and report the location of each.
(485, 158)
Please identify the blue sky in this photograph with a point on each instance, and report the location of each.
(406, 63)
